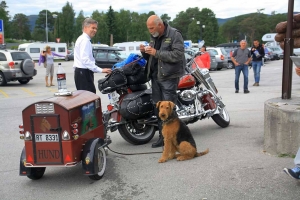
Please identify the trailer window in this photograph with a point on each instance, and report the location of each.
(123, 48)
(61, 49)
(34, 50)
(131, 48)
(52, 49)
(137, 48)
(22, 49)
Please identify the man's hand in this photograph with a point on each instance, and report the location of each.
(236, 63)
(150, 50)
(297, 69)
(142, 48)
(106, 70)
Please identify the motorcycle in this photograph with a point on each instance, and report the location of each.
(131, 109)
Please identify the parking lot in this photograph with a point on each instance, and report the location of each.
(235, 168)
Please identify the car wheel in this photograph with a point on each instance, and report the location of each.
(27, 66)
(2, 79)
(24, 81)
(230, 65)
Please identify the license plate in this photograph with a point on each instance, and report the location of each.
(18, 74)
(114, 96)
(46, 137)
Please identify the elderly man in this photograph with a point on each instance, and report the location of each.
(166, 61)
(241, 58)
(84, 62)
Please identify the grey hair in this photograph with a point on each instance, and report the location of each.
(88, 22)
(158, 20)
(243, 41)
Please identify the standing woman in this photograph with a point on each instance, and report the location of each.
(49, 64)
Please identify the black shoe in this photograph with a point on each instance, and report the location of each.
(246, 91)
(158, 143)
(236, 91)
(294, 173)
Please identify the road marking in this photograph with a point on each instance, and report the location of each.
(4, 94)
(28, 91)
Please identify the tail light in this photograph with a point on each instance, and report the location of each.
(11, 65)
(222, 57)
(75, 131)
(21, 132)
(110, 107)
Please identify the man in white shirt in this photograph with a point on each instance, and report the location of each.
(84, 62)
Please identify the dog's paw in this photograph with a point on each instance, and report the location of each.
(162, 160)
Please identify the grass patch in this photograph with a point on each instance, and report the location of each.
(284, 155)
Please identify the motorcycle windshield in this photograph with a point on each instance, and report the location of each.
(202, 61)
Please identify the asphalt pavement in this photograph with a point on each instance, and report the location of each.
(237, 167)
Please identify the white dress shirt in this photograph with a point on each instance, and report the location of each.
(83, 54)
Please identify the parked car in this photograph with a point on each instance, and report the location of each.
(106, 57)
(277, 50)
(16, 66)
(230, 63)
(213, 61)
(272, 54)
(69, 56)
(221, 56)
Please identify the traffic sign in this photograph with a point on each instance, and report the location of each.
(1, 25)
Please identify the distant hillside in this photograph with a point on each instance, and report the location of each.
(33, 18)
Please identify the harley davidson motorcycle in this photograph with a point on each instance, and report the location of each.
(131, 108)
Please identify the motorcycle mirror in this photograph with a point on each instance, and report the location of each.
(201, 43)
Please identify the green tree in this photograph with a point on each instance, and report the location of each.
(20, 27)
(123, 26)
(66, 23)
(4, 15)
(165, 18)
(102, 35)
(39, 32)
(110, 21)
(78, 24)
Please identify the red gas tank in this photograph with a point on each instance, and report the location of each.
(187, 81)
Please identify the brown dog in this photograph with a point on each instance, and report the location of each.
(177, 136)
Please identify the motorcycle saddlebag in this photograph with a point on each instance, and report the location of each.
(137, 105)
(138, 78)
(116, 79)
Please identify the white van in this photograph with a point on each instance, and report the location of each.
(34, 49)
(269, 38)
(130, 47)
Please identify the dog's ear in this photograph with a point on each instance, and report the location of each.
(172, 105)
(157, 104)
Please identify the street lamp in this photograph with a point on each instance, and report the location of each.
(201, 27)
(57, 29)
(46, 27)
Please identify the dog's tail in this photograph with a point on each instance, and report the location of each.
(202, 153)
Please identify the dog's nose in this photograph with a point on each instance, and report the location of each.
(163, 115)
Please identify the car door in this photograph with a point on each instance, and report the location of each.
(113, 58)
(101, 59)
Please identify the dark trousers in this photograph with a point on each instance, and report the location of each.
(84, 80)
(163, 91)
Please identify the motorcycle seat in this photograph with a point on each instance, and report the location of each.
(138, 87)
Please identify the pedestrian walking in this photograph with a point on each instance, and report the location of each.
(241, 58)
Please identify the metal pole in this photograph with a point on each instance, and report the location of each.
(288, 51)
(57, 26)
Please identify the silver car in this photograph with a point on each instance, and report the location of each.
(16, 66)
(277, 50)
(221, 56)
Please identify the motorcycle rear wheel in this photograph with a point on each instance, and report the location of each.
(135, 133)
(222, 119)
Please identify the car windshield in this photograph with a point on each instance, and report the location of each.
(20, 56)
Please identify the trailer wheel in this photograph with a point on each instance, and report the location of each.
(99, 161)
(36, 173)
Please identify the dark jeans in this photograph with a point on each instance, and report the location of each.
(84, 80)
(238, 69)
(163, 91)
(256, 70)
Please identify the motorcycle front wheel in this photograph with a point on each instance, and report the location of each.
(222, 118)
(135, 133)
